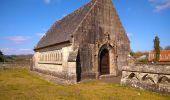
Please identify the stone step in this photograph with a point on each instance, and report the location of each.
(110, 79)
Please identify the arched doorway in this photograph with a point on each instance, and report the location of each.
(104, 62)
(78, 67)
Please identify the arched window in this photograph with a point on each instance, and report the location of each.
(42, 57)
(39, 56)
(46, 57)
(59, 56)
(55, 56)
(50, 57)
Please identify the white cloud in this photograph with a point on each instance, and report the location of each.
(47, 1)
(40, 34)
(163, 6)
(129, 35)
(160, 5)
(15, 51)
(17, 39)
(50, 1)
(6, 49)
(24, 49)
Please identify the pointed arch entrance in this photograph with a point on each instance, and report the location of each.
(107, 62)
(104, 62)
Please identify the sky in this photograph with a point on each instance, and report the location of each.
(24, 22)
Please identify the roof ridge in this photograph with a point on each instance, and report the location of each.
(67, 16)
(72, 13)
(85, 16)
(61, 29)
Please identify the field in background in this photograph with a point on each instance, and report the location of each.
(20, 84)
(13, 61)
(18, 58)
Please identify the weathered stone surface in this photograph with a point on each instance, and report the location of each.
(73, 46)
(164, 69)
(151, 77)
(65, 77)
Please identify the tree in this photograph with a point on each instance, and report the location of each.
(167, 47)
(157, 48)
(132, 53)
(1, 56)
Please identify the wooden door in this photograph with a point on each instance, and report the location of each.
(104, 62)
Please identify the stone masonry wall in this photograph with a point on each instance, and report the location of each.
(150, 77)
(101, 26)
(55, 62)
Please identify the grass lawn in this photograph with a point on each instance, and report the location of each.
(20, 84)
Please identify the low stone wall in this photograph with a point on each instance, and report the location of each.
(150, 77)
(65, 77)
(14, 65)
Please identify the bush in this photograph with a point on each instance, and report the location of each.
(132, 53)
(1, 57)
(142, 60)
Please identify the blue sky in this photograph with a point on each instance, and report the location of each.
(23, 22)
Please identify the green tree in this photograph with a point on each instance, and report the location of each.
(167, 47)
(1, 56)
(132, 53)
(157, 48)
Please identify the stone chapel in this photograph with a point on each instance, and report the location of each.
(89, 43)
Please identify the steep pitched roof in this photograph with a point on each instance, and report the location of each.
(62, 30)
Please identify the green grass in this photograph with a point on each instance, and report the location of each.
(20, 84)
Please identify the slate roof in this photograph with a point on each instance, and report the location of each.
(62, 30)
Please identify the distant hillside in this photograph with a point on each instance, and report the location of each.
(18, 58)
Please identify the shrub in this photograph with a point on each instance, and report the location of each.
(1, 57)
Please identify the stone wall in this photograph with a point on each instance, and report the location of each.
(150, 77)
(55, 62)
(14, 65)
(101, 26)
